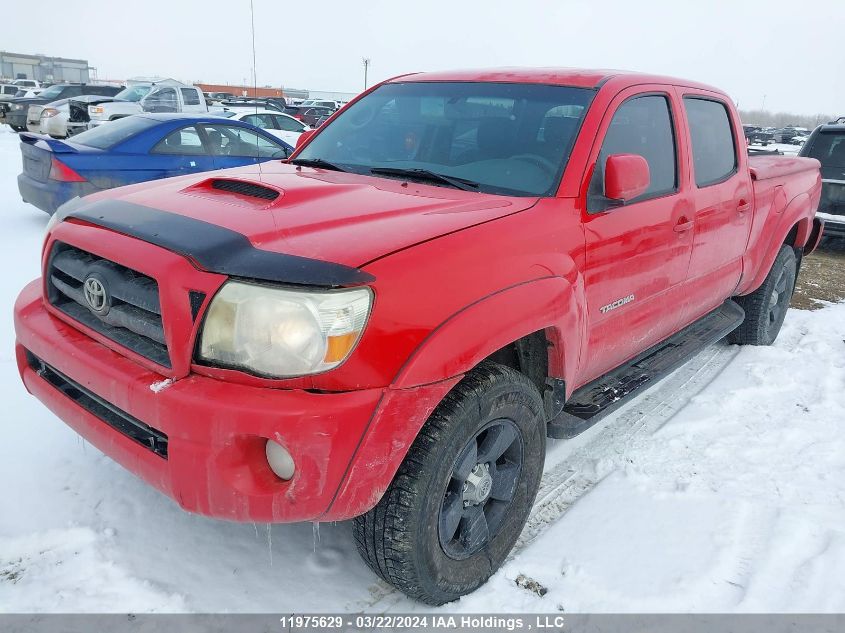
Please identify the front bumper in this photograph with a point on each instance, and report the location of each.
(346, 446)
(216, 431)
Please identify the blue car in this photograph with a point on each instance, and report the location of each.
(136, 149)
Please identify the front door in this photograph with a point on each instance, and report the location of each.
(637, 254)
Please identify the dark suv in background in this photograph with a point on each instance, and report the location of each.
(827, 145)
(14, 111)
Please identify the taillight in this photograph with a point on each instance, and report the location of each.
(61, 172)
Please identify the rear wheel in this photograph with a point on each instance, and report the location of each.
(765, 308)
(463, 493)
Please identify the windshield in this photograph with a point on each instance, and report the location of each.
(51, 93)
(106, 136)
(133, 93)
(504, 138)
(829, 149)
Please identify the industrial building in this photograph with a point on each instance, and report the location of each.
(43, 68)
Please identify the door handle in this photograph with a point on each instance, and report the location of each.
(683, 225)
(743, 206)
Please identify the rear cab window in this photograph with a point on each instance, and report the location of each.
(106, 136)
(190, 96)
(714, 150)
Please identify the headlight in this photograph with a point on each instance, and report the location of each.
(48, 113)
(17, 106)
(282, 333)
(96, 109)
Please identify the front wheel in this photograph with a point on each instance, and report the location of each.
(463, 493)
(765, 308)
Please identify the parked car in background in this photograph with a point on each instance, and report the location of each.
(8, 91)
(27, 83)
(161, 97)
(33, 117)
(82, 109)
(218, 96)
(333, 105)
(53, 120)
(389, 325)
(247, 102)
(312, 116)
(18, 109)
(827, 145)
(790, 134)
(135, 149)
(755, 135)
(278, 124)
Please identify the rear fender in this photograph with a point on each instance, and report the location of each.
(797, 214)
(815, 236)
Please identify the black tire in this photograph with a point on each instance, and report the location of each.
(402, 537)
(766, 307)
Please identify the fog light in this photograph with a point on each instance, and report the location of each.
(279, 459)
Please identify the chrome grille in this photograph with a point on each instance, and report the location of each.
(132, 313)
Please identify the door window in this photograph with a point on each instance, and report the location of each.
(163, 100)
(642, 126)
(288, 124)
(184, 141)
(713, 150)
(227, 140)
(264, 121)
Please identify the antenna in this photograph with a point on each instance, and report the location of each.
(366, 61)
(255, 86)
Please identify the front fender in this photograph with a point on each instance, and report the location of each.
(489, 324)
(439, 362)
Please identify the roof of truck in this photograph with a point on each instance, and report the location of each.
(575, 77)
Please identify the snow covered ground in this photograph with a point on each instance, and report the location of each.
(722, 489)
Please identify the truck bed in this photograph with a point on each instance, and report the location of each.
(764, 167)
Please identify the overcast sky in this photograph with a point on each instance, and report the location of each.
(792, 54)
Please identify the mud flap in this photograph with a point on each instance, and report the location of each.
(592, 402)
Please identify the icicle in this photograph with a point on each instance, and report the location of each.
(270, 542)
(315, 529)
(255, 527)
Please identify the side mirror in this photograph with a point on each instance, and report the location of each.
(303, 138)
(626, 176)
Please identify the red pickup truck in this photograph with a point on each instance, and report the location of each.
(388, 325)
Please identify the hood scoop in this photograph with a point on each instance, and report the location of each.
(236, 191)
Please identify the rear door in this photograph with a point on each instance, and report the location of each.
(722, 197)
(637, 254)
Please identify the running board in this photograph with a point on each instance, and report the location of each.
(592, 402)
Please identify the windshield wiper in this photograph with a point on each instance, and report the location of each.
(425, 174)
(317, 162)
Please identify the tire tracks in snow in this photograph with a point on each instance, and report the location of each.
(603, 449)
(596, 453)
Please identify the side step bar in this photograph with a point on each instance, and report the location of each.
(592, 402)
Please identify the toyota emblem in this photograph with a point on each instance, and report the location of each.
(96, 295)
